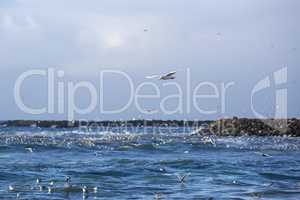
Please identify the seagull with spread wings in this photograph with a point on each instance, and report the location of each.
(182, 178)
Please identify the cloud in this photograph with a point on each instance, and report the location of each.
(84, 37)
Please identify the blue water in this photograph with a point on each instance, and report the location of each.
(139, 164)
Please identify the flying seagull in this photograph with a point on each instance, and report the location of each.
(29, 149)
(168, 76)
(182, 178)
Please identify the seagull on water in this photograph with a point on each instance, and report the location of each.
(84, 190)
(51, 183)
(41, 188)
(38, 180)
(162, 169)
(168, 76)
(39, 184)
(67, 184)
(11, 188)
(158, 196)
(95, 189)
(263, 154)
(50, 189)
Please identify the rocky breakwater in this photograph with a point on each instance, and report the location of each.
(256, 127)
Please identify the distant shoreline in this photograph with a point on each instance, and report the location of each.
(222, 127)
(77, 123)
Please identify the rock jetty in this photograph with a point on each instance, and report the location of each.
(222, 127)
(256, 127)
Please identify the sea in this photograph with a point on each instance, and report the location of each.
(145, 163)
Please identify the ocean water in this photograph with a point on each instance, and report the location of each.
(146, 164)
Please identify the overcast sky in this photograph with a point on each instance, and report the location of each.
(218, 41)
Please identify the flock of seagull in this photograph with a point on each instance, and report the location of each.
(69, 187)
(50, 187)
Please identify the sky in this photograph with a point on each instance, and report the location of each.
(208, 42)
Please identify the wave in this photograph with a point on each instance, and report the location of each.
(126, 141)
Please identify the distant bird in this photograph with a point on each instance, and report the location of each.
(38, 180)
(53, 126)
(39, 185)
(150, 111)
(158, 196)
(41, 188)
(29, 149)
(18, 195)
(11, 188)
(219, 35)
(182, 179)
(272, 183)
(209, 140)
(50, 189)
(263, 154)
(51, 183)
(168, 76)
(162, 169)
(33, 125)
(84, 190)
(95, 189)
